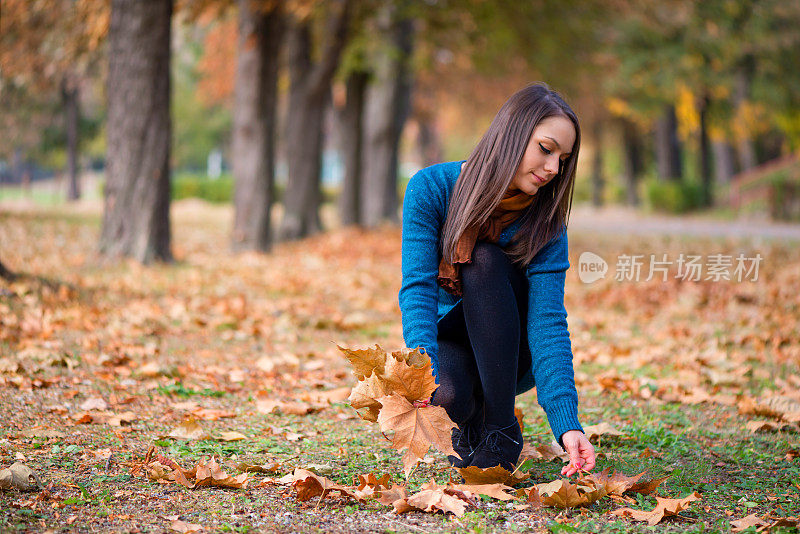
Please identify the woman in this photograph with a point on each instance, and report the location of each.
(484, 263)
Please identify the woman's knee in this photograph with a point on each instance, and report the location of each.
(488, 260)
(457, 401)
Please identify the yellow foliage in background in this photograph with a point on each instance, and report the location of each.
(686, 113)
(750, 120)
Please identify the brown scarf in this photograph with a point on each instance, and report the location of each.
(506, 212)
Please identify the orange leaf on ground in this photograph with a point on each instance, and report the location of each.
(617, 483)
(603, 429)
(189, 429)
(746, 522)
(231, 436)
(492, 475)
(549, 452)
(647, 487)
(309, 485)
(664, 508)
(211, 414)
(520, 417)
(396, 497)
(211, 474)
(182, 526)
(495, 491)
(94, 403)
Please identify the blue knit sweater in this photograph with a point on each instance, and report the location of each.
(423, 303)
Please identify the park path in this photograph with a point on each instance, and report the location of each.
(625, 221)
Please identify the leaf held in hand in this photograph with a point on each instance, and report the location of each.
(415, 428)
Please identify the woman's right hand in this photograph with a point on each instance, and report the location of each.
(581, 452)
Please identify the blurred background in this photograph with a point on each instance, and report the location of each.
(303, 115)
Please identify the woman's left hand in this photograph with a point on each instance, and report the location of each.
(581, 452)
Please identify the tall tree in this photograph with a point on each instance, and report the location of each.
(633, 163)
(256, 95)
(71, 104)
(48, 51)
(667, 145)
(309, 92)
(5, 273)
(387, 107)
(351, 137)
(137, 192)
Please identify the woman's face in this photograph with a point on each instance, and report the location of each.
(550, 144)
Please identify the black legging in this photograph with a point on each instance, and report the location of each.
(483, 346)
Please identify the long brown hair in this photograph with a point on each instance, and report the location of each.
(490, 169)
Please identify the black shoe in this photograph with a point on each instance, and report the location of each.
(499, 446)
(463, 446)
(465, 440)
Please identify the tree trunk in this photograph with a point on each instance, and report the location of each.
(137, 192)
(429, 142)
(597, 165)
(309, 91)
(388, 103)
(633, 161)
(5, 273)
(69, 99)
(705, 155)
(351, 119)
(741, 95)
(668, 154)
(723, 161)
(254, 119)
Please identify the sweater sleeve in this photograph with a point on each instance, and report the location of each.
(419, 291)
(548, 337)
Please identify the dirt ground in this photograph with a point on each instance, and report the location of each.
(102, 360)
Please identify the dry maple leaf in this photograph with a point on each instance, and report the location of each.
(562, 494)
(182, 526)
(211, 474)
(414, 357)
(664, 508)
(245, 467)
(396, 497)
(603, 429)
(746, 522)
(616, 484)
(370, 480)
(309, 485)
(432, 497)
(549, 452)
(495, 491)
(647, 487)
(94, 403)
(188, 429)
(365, 361)
(365, 394)
(473, 475)
(414, 383)
(415, 428)
(231, 435)
(211, 414)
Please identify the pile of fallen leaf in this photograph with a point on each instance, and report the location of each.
(457, 498)
(205, 473)
(432, 496)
